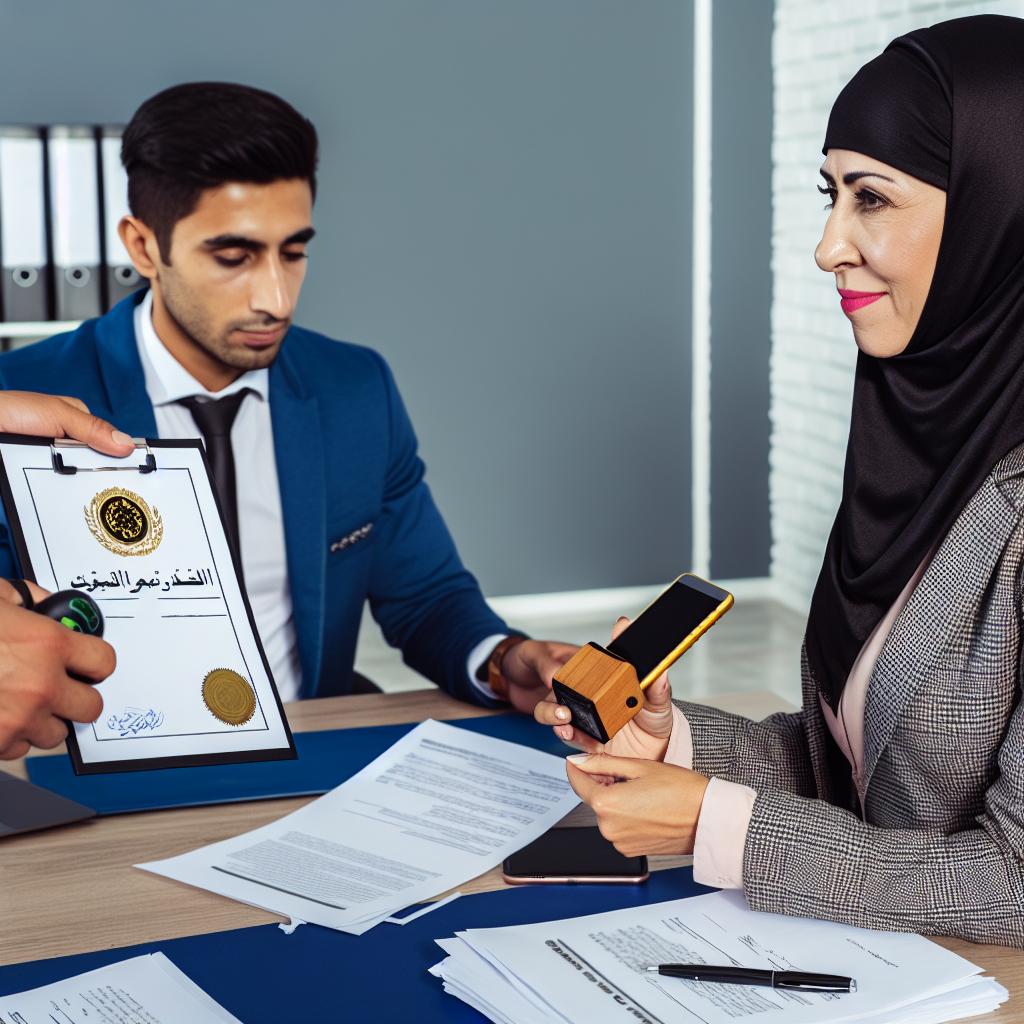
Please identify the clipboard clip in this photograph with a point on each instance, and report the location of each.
(60, 466)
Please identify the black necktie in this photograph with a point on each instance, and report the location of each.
(214, 417)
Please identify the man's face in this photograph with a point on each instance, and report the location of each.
(237, 266)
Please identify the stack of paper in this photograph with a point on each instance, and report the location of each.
(142, 990)
(441, 806)
(594, 968)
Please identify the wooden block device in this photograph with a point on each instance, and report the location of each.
(604, 687)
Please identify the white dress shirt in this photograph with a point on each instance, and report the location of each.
(260, 520)
(260, 525)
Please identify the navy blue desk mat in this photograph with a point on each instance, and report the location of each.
(319, 975)
(325, 760)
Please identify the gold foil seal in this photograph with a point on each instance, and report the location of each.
(123, 522)
(229, 696)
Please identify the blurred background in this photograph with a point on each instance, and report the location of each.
(582, 233)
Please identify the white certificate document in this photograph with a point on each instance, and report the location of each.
(192, 685)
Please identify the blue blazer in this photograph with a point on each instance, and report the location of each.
(346, 457)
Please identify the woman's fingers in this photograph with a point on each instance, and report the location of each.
(659, 693)
(549, 712)
(610, 765)
(657, 703)
(559, 717)
(582, 784)
(620, 624)
(582, 741)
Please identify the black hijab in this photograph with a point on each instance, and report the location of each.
(944, 104)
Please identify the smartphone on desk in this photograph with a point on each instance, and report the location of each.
(565, 856)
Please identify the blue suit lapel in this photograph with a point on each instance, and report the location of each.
(128, 405)
(298, 447)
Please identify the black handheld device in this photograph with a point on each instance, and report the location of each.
(74, 609)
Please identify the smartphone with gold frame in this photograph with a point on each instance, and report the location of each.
(603, 686)
(670, 625)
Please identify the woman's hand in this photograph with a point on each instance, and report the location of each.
(654, 810)
(646, 735)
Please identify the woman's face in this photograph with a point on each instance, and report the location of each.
(881, 240)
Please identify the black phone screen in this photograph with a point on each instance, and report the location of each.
(660, 628)
(572, 852)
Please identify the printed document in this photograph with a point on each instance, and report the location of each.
(192, 685)
(441, 806)
(142, 990)
(595, 969)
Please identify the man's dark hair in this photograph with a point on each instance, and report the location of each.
(200, 135)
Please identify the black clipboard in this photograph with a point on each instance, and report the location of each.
(61, 459)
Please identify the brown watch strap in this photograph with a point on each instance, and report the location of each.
(497, 682)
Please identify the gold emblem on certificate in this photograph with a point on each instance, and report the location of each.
(123, 522)
(229, 696)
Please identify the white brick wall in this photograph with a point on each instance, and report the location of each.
(817, 47)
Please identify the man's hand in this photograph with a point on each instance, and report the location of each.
(654, 810)
(528, 668)
(646, 735)
(24, 412)
(37, 656)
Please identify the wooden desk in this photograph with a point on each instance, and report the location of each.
(55, 886)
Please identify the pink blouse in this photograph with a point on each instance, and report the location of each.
(725, 812)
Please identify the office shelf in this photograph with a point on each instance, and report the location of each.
(37, 328)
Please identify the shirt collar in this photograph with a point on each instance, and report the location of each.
(167, 380)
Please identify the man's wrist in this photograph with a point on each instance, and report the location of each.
(491, 670)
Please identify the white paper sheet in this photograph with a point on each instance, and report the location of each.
(173, 615)
(143, 990)
(594, 968)
(441, 806)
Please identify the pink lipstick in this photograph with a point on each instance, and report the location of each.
(851, 300)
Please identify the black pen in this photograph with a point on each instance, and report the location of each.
(803, 981)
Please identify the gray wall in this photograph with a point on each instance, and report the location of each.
(741, 286)
(504, 213)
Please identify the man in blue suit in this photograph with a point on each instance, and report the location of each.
(311, 450)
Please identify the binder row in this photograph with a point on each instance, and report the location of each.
(62, 192)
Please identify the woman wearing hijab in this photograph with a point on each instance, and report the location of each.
(894, 799)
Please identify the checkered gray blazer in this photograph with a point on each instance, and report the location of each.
(940, 846)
